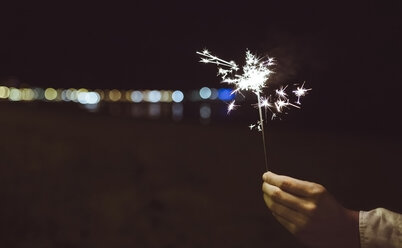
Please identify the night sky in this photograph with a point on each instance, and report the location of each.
(128, 174)
(350, 53)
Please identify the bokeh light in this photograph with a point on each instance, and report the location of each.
(214, 94)
(177, 96)
(225, 94)
(4, 92)
(205, 92)
(27, 94)
(154, 96)
(50, 94)
(136, 96)
(166, 96)
(15, 94)
(114, 95)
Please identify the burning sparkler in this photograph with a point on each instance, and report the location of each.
(256, 73)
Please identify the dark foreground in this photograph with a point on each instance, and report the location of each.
(75, 179)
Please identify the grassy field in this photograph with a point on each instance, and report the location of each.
(74, 179)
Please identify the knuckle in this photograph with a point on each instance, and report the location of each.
(276, 194)
(286, 184)
(317, 190)
(311, 208)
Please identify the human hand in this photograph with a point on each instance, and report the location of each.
(310, 213)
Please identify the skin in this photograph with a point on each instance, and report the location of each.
(310, 212)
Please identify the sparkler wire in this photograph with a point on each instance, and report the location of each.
(262, 130)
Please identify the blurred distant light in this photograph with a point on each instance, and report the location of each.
(154, 96)
(177, 96)
(28, 94)
(93, 97)
(15, 94)
(50, 94)
(225, 94)
(59, 92)
(82, 97)
(88, 97)
(114, 95)
(194, 95)
(166, 96)
(177, 111)
(214, 94)
(64, 96)
(4, 92)
(72, 94)
(101, 93)
(136, 96)
(205, 111)
(39, 93)
(127, 95)
(205, 92)
(82, 90)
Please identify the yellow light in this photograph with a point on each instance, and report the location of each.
(4, 92)
(114, 95)
(28, 94)
(145, 95)
(59, 94)
(166, 96)
(15, 94)
(128, 95)
(50, 94)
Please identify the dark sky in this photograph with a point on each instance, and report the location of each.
(348, 52)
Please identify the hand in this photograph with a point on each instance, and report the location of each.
(310, 213)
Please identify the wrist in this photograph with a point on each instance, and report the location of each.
(352, 223)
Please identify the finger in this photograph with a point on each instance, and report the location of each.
(294, 202)
(289, 184)
(289, 214)
(288, 225)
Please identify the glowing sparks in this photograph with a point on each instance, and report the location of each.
(209, 58)
(266, 104)
(281, 104)
(281, 92)
(231, 106)
(300, 91)
(256, 73)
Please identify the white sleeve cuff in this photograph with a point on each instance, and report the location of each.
(380, 228)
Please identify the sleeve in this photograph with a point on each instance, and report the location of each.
(380, 228)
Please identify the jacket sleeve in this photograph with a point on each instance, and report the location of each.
(380, 228)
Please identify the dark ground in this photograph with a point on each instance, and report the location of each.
(75, 179)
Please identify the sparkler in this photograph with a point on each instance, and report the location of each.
(256, 73)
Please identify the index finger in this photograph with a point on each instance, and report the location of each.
(289, 184)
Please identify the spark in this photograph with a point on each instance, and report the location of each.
(281, 92)
(265, 103)
(280, 104)
(300, 91)
(251, 126)
(231, 106)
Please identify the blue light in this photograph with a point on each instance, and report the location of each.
(225, 94)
